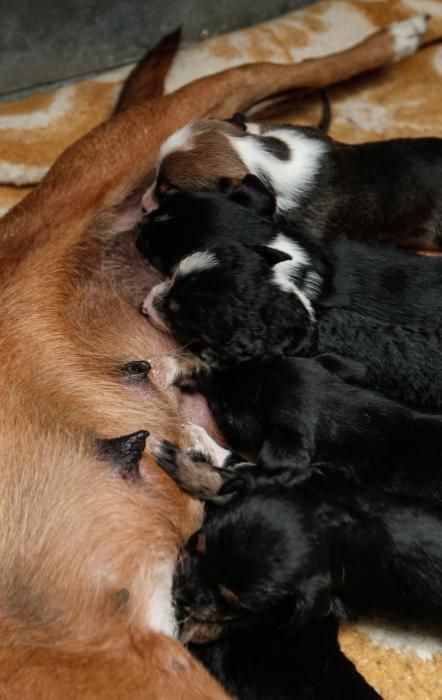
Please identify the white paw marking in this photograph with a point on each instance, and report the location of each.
(165, 370)
(406, 35)
(201, 440)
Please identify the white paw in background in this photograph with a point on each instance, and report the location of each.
(406, 34)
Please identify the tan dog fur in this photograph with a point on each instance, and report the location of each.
(86, 558)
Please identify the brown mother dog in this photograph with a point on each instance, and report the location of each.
(86, 556)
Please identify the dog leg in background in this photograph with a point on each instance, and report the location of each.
(147, 78)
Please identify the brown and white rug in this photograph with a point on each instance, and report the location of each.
(402, 100)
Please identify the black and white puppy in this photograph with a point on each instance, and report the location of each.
(284, 295)
(322, 545)
(295, 414)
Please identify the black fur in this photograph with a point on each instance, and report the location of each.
(385, 190)
(376, 305)
(191, 221)
(294, 413)
(320, 546)
(282, 664)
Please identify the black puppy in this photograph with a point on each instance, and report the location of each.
(190, 221)
(320, 546)
(294, 413)
(285, 295)
(254, 662)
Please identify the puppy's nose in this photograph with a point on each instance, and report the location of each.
(149, 308)
(149, 201)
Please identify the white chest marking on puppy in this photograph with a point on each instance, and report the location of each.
(286, 271)
(195, 263)
(406, 35)
(290, 178)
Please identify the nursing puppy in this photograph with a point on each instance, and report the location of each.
(294, 415)
(190, 221)
(319, 546)
(258, 661)
(249, 304)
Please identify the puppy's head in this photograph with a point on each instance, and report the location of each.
(200, 157)
(253, 555)
(190, 221)
(234, 304)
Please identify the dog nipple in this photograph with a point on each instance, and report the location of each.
(137, 370)
(125, 452)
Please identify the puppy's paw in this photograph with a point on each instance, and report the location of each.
(165, 370)
(199, 479)
(187, 370)
(202, 446)
(407, 33)
(168, 456)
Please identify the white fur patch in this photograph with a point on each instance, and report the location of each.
(180, 140)
(285, 272)
(195, 262)
(286, 245)
(148, 306)
(253, 128)
(290, 178)
(160, 614)
(201, 440)
(406, 35)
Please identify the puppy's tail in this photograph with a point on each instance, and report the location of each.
(147, 78)
(324, 122)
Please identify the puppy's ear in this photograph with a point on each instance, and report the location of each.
(314, 599)
(271, 255)
(239, 119)
(253, 194)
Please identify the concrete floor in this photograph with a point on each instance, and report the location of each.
(48, 41)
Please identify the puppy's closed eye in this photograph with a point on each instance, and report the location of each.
(162, 218)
